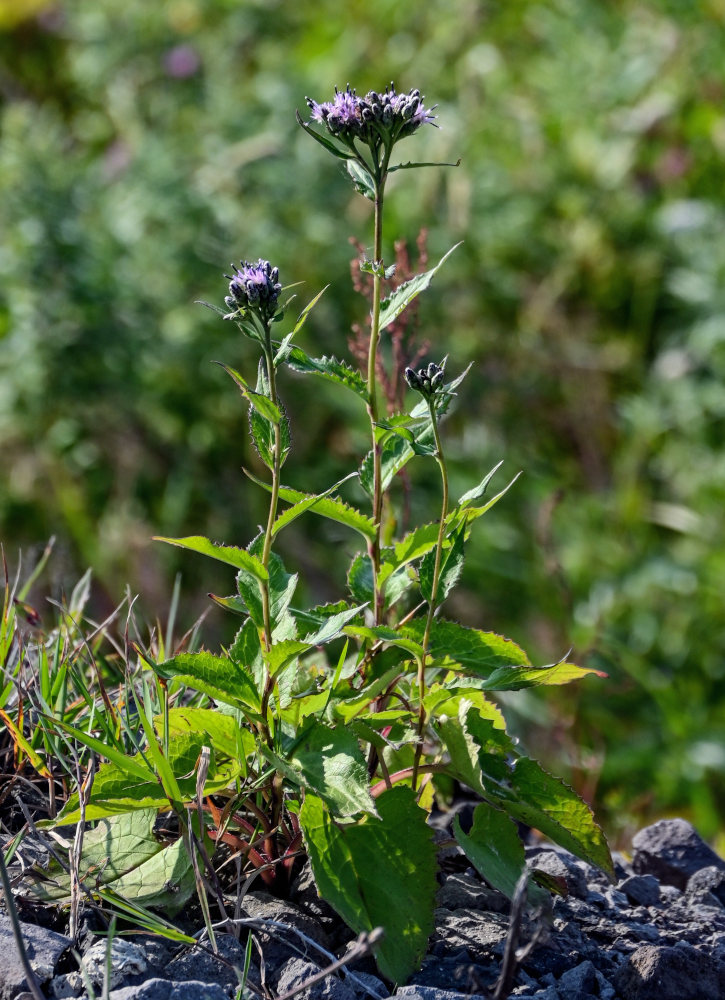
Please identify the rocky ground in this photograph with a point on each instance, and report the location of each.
(658, 934)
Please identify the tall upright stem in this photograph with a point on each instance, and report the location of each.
(373, 393)
(433, 603)
(271, 517)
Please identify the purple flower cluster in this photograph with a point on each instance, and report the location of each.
(388, 116)
(254, 287)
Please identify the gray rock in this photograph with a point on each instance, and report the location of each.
(466, 892)
(479, 933)
(641, 889)
(432, 993)
(673, 851)
(162, 989)
(279, 945)
(578, 982)
(44, 949)
(563, 865)
(127, 960)
(297, 971)
(197, 965)
(710, 880)
(66, 986)
(366, 985)
(679, 973)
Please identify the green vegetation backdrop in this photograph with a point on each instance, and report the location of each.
(144, 146)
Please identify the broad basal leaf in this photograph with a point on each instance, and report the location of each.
(121, 852)
(494, 847)
(378, 873)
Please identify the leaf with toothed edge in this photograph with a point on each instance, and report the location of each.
(393, 306)
(330, 369)
(239, 558)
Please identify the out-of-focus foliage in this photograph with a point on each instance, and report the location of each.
(143, 146)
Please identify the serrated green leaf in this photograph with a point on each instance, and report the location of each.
(393, 306)
(414, 545)
(450, 570)
(330, 369)
(322, 504)
(477, 652)
(440, 700)
(232, 556)
(469, 514)
(223, 731)
(281, 586)
(353, 703)
(329, 763)
(217, 676)
(283, 653)
(517, 678)
(378, 873)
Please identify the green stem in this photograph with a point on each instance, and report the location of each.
(271, 517)
(373, 396)
(433, 603)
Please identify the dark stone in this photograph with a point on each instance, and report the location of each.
(481, 934)
(672, 851)
(710, 879)
(461, 891)
(457, 973)
(44, 948)
(162, 989)
(578, 982)
(298, 971)
(202, 966)
(641, 889)
(561, 865)
(679, 973)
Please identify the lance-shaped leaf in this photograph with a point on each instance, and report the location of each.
(517, 678)
(283, 349)
(468, 513)
(378, 873)
(239, 558)
(330, 369)
(331, 508)
(478, 491)
(218, 676)
(260, 402)
(281, 585)
(330, 763)
(393, 306)
(323, 140)
(333, 626)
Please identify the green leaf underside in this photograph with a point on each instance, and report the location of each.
(485, 759)
(262, 431)
(517, 678)
(414, 545)
(441, 701)
(232, 556)
(361, 179)
(356, 702)
(123, 853)
(217, 676)
(330, 369)
(476, 651)
(378, 873)
(393, 306)
(330, 763)
(333, 626)
(382, 633)
(282, 586)
(494, 847)
(117, 790)
(450, 568)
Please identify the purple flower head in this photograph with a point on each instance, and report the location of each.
(253, 287)
(374, 119)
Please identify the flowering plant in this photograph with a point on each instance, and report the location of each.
(336, 730)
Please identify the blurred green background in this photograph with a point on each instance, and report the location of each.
(143, 146)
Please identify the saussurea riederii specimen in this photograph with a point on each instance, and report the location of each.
(334, 731)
